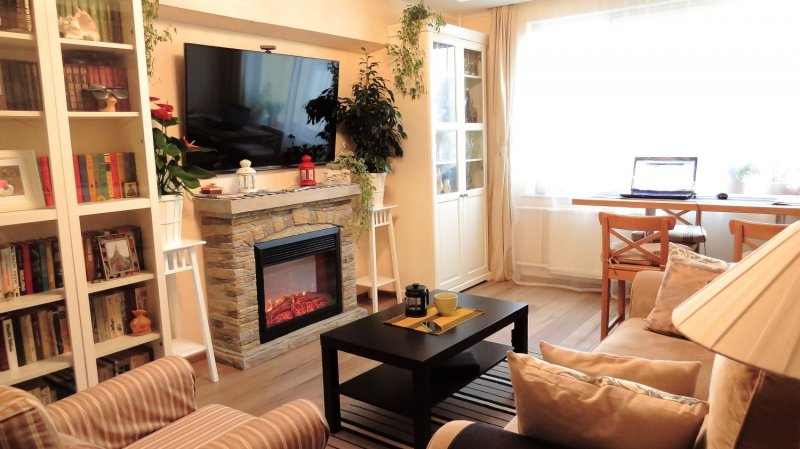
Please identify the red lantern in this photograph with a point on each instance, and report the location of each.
(308, 177)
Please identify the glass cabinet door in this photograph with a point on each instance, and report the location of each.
(474, 159)
(473, 86)
(446, 162)
(443, 82)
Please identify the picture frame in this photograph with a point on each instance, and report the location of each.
(118, 254)
(130, 190)
(20, 185)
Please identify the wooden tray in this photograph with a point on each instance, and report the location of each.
(447, 322)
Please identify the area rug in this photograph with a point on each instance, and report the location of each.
(488, 399)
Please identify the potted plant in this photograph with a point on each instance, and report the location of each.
(373, 122)
(361, 176)
(408, 60)
(173, 178)
(152, 36)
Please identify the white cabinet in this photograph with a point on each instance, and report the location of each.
(441, 180)
(54, 128)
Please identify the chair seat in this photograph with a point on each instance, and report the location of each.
(686, 234)
(636, 257)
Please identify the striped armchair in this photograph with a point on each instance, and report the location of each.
(152, 407)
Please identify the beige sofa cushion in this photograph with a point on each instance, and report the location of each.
(195, 429)
(752, 409)
(632, 338)
(567, 407)
(686, 273)
(676, 377)
(24, 423)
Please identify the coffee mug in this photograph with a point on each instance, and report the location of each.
(445, 303)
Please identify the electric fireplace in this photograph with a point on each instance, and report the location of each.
(298, 281)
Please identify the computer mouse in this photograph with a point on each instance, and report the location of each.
(722, 196)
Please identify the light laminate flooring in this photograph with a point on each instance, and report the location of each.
(559, 316)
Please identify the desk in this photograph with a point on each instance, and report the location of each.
(732, 205)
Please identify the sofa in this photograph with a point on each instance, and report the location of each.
(773, 418)
(153, 406)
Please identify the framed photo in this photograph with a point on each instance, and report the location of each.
(130, 190)
(118, 252)
(20, 185)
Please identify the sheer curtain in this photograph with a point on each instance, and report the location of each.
(716, 79)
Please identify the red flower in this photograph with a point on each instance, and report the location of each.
(188, 144)
(164, 112)
(152, 99)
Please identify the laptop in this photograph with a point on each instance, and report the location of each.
(663, 178)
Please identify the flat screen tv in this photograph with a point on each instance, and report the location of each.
(255, 105)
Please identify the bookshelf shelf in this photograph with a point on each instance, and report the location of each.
(32, 300)
(22, 114)
(94, 287)
(111, 206)
(101, 115)
(122, 343)
(75, 44)
(17, 40)
(36, 369)
(27, 216)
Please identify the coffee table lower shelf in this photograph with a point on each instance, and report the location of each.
(390, 388)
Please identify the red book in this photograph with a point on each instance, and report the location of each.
(121, 81)
(114, 170)
(77, 168)
(47, 183)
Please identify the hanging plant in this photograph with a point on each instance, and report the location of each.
(152, 36)
(408, 60)
(360, 175)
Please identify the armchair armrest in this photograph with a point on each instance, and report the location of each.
(295, 425)
(468, 435)
(644, 290)
(124, 409)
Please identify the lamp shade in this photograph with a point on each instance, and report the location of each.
(751, 313)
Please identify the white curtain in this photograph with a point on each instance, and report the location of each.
(716, 79)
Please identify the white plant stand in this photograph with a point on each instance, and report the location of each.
(381, 217)
(179, 257)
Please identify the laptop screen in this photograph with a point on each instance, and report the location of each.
(664, 174)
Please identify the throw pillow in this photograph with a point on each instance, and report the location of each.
(674, 377)
(685, 274)
(569, 408)
(752, 409)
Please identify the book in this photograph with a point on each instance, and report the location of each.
(44, 323)
(90, 171)
(37, 335)
(64, 329)
(88, 253)
(16, 323)
(121, 175)
(47, 182)
(26, 266)
(84, 176)
(3, 356)
(23, 289)
(114, 188)
(45, 272)
(36, 266)
(28, 341)
(3, 96)
(58, 269)
(6, 269)
(100, 180)
(77, 173)
(130, 167)
(50, 262)
(101, 317)
(9, 341)
(140, 293)
(70, 87)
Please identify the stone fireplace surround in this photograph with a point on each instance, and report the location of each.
(231, 226)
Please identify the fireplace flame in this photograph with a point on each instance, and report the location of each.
(294, 305)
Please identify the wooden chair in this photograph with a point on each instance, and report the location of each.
(751, 234)
(687, 231)
(623, 257)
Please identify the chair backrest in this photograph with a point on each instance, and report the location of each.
(653, 249)
(750, 235)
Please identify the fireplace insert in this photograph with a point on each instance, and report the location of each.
(299, 281)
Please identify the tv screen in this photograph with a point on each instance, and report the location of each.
(253, 105)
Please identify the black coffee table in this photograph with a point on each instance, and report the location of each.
(404, 383)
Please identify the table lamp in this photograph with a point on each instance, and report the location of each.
(751, 313)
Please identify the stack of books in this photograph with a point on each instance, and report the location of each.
(111, 311)
(20, 86)
(31, 266)
(32, 335)
(105, 176)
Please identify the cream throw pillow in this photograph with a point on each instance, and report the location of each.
(671, 376)
(686, 273)
(567, 407)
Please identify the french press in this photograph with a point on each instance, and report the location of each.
(416, 300)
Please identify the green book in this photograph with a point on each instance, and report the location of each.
(100, 178)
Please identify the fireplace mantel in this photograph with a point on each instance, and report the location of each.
(232, 226)
(227, 205)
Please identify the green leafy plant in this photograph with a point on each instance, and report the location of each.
(371, 119)
(152, 36)
(408, 60)
(361, 176)
(172, 177)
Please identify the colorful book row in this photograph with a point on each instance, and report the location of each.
(100, 177)
(30, 267)
(107, 20)
(80, 76)
(20, 86)
(32, 335)
(16, 15)
(112, 311)
(112, 253)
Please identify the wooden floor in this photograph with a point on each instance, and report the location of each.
(559, 316)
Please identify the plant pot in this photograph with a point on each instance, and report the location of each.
(171, 215)
(379, 183)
